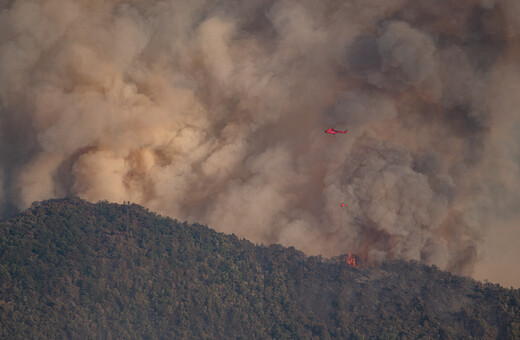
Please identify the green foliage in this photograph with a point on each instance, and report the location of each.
(72, 269)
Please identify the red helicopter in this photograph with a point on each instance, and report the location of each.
(334, 131)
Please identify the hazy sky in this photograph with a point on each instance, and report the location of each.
(214, 111)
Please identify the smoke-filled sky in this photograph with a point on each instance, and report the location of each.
(215, 111)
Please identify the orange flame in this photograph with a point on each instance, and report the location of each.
(351, 260)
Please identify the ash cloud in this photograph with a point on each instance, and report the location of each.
(213, 111)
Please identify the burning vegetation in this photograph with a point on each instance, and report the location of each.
(352, 260)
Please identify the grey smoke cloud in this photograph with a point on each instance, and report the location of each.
(214, 111)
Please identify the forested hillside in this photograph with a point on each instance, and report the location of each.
(73, 269)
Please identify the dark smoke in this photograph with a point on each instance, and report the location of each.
(214, 111)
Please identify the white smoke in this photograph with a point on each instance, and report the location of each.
(214, 111)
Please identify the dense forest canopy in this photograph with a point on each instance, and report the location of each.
(73, 269)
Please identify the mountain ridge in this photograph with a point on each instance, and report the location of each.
(74, 269)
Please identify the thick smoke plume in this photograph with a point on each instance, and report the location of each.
(214, 111)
